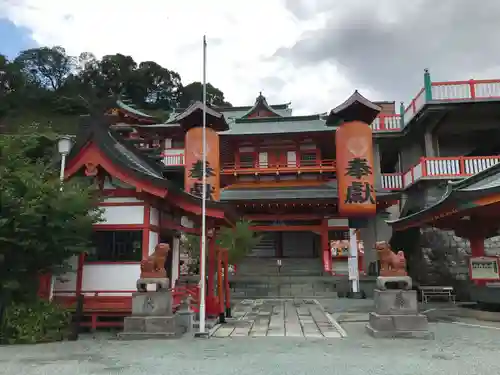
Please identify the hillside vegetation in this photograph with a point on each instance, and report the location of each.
(48, 86)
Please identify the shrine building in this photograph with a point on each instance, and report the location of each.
(303, 181)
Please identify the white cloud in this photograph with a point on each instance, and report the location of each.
(242, 35)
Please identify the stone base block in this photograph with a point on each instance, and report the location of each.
(162, 283)
(385, 282)
(398, 322)
(150, 324)
(426, 335)
(185, 320)
(396, 301)
(152, 303)
(146, 335)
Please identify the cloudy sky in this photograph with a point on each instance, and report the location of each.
(313, 53)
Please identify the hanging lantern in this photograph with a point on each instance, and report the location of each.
(355, 174)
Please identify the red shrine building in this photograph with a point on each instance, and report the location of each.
(309, 184)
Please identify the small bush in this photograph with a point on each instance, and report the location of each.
(35, 322)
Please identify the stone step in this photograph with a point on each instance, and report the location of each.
(147, 335)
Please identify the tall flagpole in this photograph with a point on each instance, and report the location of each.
(204, 194)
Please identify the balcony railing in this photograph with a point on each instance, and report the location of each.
(437, 168)
(387, 123)
(277, 168)
(392, 181)
(173, 157)
(439, 91)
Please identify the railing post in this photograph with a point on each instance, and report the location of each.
(461, 161)
(472, 89)
(402, 114)
(424, 166)
(381, 122)
(427, 85)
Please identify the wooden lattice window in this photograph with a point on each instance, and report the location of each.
(308, 158)
(116, 246)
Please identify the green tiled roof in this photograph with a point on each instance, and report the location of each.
(328, 190)
(277, 125)
(132, 110)
(324, 191)
(231, 115)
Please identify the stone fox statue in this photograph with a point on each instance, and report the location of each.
(391, 264)
(154, 265)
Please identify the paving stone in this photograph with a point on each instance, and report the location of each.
(223, 332)
(275, 333)
(279, 318)
(313, 335)
(332, 334)
(258, 333)
(241, 331)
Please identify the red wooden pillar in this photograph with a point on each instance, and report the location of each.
(477, 246)
(211, 302)
(44, 286)
(477, 250)
(325, 247)
(227, 290)
(220, 287)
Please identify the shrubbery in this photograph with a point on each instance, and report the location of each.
(34, 322)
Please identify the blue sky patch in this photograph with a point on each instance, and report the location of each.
(14, 39)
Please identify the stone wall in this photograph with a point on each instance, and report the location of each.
(446, 258)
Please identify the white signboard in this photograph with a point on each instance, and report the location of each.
(353, 268)
(484, 268)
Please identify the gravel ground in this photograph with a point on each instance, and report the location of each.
(457, 350)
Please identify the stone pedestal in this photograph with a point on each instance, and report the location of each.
(151, 317)
(396, 316)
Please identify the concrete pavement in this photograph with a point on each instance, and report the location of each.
(459, 349)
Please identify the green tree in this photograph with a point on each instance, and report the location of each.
(155, 86)
(194, 92)
(238, 240)
(46, 67)
(41, 227)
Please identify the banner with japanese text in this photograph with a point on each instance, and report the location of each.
(193, 175)
(355, 174)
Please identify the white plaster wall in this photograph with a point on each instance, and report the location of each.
(67, 281)
(153, 241)
(123, 214)
(114, 277)
(154, 216)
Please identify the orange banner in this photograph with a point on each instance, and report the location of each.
(193, 174)
(355, 174)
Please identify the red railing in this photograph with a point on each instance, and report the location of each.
(121, 300)
(173, 157)
(386, 123)
(454, 91)
(292, 166)
(440, 167)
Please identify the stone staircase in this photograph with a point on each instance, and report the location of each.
(266, 247)
(298, 278)
(253, 266)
